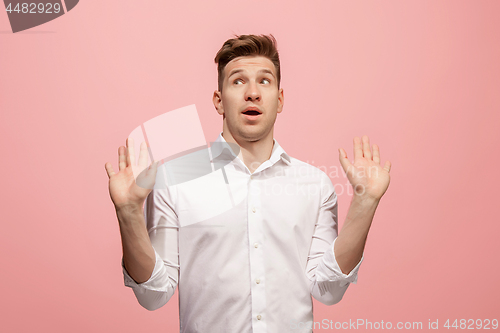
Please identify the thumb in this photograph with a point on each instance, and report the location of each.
(154, 166)
(346, 164)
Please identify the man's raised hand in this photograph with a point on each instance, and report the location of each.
(366, 175)
(131, 186)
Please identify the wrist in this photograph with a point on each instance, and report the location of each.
(129, 208)
(365, 200)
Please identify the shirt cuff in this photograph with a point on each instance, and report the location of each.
(332, 271)
(152, 283)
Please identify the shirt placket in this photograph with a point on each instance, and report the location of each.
(256, 243)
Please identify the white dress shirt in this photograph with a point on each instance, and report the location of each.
(246, 250)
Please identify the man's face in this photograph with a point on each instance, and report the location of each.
(250, 98)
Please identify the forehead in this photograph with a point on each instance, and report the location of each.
(250, 63)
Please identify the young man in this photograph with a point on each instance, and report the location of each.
(248, 244)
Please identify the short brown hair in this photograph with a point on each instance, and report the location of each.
(247, 45)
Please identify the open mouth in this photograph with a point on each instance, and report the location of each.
(252, 113)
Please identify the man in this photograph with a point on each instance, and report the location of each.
(252, 265)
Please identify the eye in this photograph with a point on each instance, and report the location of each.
(238, 81)
(266, 81)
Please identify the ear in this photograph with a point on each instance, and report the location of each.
(217, 99)
(281, 100)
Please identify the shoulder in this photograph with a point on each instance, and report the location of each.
(315, 175)
(304, 168)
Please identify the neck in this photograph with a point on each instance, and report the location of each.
(252, 153)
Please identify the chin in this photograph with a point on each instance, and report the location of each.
(254, 134)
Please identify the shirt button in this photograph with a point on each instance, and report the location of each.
(253, 209)
(257, 281)
(251, 177)
(259, 317)
(256, 245)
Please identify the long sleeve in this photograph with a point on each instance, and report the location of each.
(162, 225)
(328, 283)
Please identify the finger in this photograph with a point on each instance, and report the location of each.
(358, 151)
(366, 147)
(109, 169)
(344, 161)
(387, 166)
(122, 158)
(143, 155)
(131, 151)
(153, 167)
(376, 154)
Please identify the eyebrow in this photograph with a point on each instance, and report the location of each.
(239, 70)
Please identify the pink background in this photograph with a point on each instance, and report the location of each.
(421, 78)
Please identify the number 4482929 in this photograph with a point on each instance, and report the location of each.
(34, 8)
(471, 324)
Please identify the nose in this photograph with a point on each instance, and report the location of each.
(252, 92)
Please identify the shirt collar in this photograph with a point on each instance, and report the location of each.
(221, 149)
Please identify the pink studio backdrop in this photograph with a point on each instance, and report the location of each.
(421, 78)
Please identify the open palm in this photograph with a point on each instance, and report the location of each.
(365, 173)
(131, 186)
